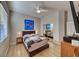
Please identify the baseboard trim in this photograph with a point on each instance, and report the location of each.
(7, 50)
(12, 43)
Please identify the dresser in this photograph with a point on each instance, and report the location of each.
(67, 50)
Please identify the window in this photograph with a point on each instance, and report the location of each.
(49, 26)
(3, 23)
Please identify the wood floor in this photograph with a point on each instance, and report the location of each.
(19, 51)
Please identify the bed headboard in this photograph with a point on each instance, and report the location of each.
(27, 32)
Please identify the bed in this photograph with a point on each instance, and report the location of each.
(34, 43)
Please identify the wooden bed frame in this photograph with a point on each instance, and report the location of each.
(27, 32)
(37, 50)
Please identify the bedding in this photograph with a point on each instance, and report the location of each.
(32, 44)
(31, 39)
(34, 37)
(28, 42)
(37, 45)
(43, 38)
(28, 35)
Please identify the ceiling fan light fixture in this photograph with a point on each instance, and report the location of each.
(38, 11)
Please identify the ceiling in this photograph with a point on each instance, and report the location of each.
(28, 7)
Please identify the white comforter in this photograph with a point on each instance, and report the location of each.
(36, 45)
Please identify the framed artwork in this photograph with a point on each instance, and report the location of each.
(48, 26)
(29, 24)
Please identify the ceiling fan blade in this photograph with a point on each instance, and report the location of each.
(43, 10)
(37, 8)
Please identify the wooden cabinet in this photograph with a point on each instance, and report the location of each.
(67, 50)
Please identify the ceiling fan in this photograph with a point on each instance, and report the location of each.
(40, 9)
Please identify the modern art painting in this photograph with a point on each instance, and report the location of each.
(29, 24)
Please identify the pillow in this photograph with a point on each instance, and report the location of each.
(42, 38)
(26, 36)
(35, 38)
(32, 34)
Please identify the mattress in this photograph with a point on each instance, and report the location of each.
(36, 45)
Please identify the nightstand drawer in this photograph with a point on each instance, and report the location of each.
(19, 40)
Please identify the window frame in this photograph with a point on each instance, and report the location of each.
(4, 22)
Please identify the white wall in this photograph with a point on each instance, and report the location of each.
(61, 24)
(17, 24)
(56, 18)
(51, 18)
(70, 24)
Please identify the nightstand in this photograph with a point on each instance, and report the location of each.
(19, 40)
